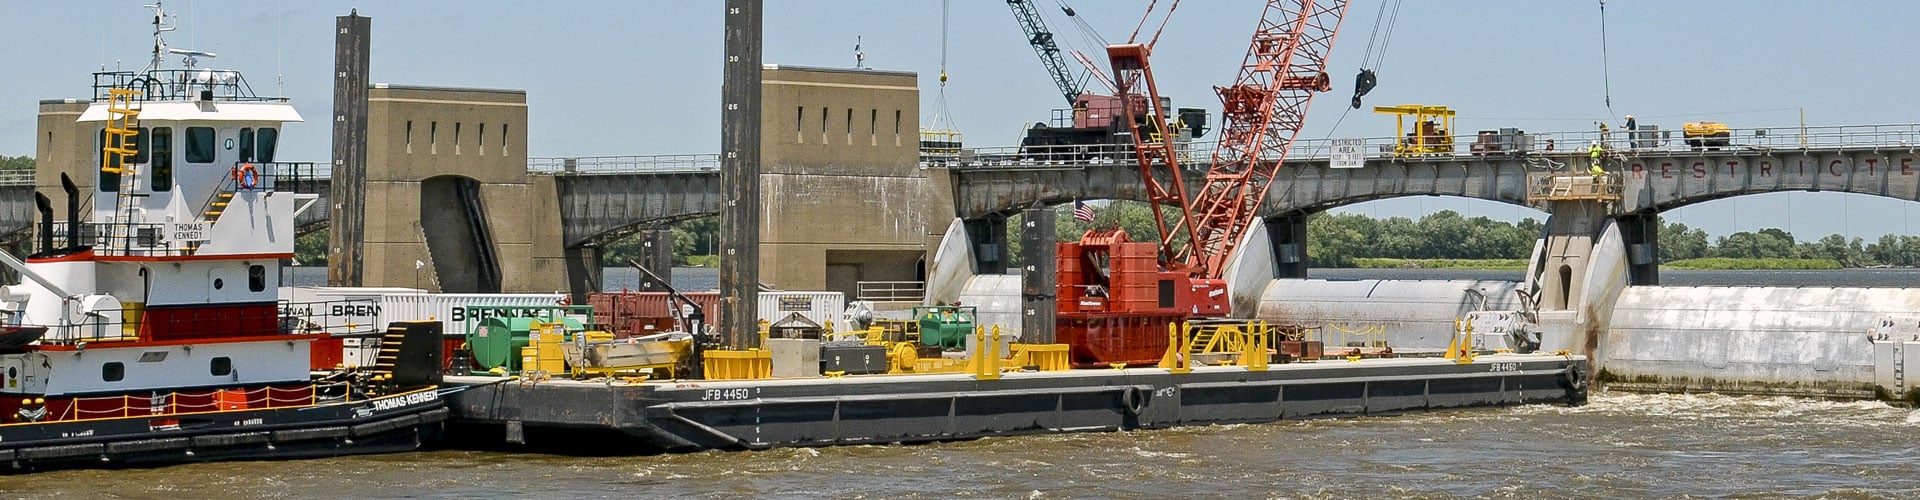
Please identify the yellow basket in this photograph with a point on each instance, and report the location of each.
(1044, 357)
(738, 365)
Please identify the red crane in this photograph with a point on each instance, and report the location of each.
(1115, 297)
(1263, 111)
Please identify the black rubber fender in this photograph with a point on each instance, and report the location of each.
(1575, 378)
(1132, 400)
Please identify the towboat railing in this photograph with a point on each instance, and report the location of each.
(335, 317)
(187, 403)
(150, 239)
(178, 85)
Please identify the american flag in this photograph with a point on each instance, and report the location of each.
(1082, 211)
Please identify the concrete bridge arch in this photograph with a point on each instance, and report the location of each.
(1658, 184)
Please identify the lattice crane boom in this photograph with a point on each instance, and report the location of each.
(1042, 41)
(1263, 112)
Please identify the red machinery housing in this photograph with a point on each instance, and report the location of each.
(1116, 297)
(1115, 301)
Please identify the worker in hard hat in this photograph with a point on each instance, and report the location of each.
(1593, 152)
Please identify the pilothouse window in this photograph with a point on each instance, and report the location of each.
(200, 145)
(162, 165)
(139, 145)
(257, 278)
(246, 144)
(263, 146)
(109, 181)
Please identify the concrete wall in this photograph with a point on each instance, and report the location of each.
(62, 145)
(844, 197)
(416, 133)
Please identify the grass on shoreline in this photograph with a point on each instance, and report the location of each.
(1386, 263)
(1743, 264)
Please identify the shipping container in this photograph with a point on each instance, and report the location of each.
(336, 310)
(456, 311)
(627, 305)
(819, 307)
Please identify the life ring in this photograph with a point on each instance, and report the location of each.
(245, 176)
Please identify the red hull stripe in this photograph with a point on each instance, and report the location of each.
(72, 257)
(158, 343)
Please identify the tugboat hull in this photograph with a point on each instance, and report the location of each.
(401, 422)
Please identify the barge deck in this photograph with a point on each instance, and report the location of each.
(692, 415)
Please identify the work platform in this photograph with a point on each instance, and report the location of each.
(1542, 188)
(690, 415)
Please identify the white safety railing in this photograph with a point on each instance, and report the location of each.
(16, 177)
(626, 164)
(891, 291)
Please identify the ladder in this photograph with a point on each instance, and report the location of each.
(122, 127)
(390, 344)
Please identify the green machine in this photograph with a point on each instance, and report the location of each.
(946, 327)
(496, 339)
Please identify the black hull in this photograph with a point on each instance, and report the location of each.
(318, 431)
(734, 415)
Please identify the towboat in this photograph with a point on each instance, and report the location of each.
(148, 330)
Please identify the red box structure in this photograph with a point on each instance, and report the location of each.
(328, 352)
(1114, 301)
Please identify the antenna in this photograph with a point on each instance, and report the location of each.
(859, 56)
(160, 48)
(159, 26)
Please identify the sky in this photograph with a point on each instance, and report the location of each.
(643, 77)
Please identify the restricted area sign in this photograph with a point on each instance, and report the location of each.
(1347, 153)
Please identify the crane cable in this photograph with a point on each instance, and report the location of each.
(942, 116)
(1087, 34)
(1371, 62)
(1606, 77)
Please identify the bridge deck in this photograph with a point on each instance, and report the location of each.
(604, 197)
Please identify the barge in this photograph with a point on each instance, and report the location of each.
(692, 415)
